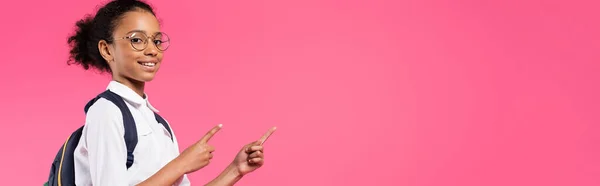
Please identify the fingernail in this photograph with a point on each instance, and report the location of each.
(220, 125)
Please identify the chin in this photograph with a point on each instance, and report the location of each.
(146, 77)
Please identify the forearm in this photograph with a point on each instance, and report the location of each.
(229, 176)
(168, 175)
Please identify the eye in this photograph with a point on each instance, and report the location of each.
(136, 40)
(158, 42)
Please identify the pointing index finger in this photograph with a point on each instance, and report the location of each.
(211, 133)
(266, 136)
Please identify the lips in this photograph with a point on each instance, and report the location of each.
(148, 63)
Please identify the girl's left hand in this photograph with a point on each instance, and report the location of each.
(251, 157)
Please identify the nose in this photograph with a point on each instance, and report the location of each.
(151, 49)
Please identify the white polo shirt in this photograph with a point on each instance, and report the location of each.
(101, 154)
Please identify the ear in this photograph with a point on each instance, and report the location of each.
(104, 49)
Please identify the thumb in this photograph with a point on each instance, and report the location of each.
(247, 147)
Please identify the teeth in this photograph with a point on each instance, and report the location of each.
(149, 64)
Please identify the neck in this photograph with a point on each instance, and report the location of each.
(136, 86)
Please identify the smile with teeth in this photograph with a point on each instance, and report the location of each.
(148, 64)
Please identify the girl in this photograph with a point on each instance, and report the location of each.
(124, 39)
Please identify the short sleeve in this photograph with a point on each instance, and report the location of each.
(107, 152)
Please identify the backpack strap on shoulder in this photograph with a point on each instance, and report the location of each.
(131, 139)
(164, 123)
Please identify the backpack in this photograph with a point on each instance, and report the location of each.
(62, 171)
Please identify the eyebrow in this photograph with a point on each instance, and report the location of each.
(142, 31)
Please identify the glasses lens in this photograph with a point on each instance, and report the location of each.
(162, 41)
(138, 40)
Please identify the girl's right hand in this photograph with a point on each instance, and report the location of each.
(199, 154)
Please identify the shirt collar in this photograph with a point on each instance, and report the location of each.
(129, 95)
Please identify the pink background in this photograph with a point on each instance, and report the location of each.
(372, 92)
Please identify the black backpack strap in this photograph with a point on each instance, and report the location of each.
(128, 121)
(164, 123)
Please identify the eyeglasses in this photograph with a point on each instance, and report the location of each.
(139, 40)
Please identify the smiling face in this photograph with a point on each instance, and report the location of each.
(130, 60)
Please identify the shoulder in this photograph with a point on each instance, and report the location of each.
(104, 108)
(104, 114)
(161, 119)
(170, 127)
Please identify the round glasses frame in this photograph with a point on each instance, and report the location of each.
(135, 35)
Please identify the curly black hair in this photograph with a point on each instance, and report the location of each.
(90, 30)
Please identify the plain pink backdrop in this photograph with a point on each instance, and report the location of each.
(372, 92)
